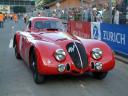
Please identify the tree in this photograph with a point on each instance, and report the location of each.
(45, 1)
(48, 1)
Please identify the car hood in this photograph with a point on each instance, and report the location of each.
(54, 36)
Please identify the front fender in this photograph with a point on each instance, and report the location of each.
(107, 59)
(45, 56)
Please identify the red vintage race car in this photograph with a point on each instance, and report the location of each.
(49, 50)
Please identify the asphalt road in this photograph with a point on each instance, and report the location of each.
(16, 79)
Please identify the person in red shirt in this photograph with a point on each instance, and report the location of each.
(1, 19)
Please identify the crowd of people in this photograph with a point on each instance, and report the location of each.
(15, 17)
(116, 14)
(5, 16)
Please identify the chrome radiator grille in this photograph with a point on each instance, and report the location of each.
(78, 54)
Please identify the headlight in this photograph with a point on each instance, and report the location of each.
(98, 66)
(60, 55)
(97, 53)
(61, 67)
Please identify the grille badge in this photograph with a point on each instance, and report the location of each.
(71, 49)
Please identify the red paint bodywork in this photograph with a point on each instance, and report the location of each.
(45, 44)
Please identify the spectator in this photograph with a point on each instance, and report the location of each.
(116, 16)
(39, 14)
(1, 19)
(99, 16)
(106, 17)
(25, 18)
(94, 14)
(127, 15)
(113, 13)
(89, 14)
(15, 18)
(121, 7)
(85, 14)
(11, 16)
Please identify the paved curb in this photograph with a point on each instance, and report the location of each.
(121, 58)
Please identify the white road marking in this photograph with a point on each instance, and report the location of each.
(82, 85)
(11, 43)
(12, 27)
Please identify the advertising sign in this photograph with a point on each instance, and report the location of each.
(116, 36)
(82, 29)
(95, 30)
(5, 8)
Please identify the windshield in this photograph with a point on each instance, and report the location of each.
(49, 24)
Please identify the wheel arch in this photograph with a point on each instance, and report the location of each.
(30, 53)
(14, 40)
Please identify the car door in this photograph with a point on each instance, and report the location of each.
(26, 42)
(23, 43)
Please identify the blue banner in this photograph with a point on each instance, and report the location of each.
(116, 36)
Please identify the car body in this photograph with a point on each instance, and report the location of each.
(48, 50)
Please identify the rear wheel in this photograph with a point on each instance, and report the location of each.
(38, 78)
(16, 52)
(100, 75)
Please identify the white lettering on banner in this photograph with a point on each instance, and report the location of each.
(80, 34)
(114, 37)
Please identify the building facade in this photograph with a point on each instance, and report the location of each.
(78, 3)
(6, 6)
(74, 3)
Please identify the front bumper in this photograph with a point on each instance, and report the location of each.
(70, 68)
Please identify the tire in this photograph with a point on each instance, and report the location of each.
(100, 75)
(38, 78)
(16, 52)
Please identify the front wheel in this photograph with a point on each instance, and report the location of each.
(38, 78)
(100, 75)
